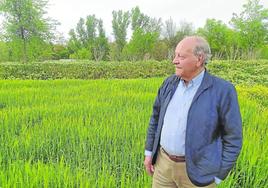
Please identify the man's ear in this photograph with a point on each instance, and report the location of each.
(200, 60)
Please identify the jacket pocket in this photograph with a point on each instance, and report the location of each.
(208, 158)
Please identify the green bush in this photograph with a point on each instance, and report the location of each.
(83, 53)
(250, 72)
(238, 72)
(85, 70)
(264, 52)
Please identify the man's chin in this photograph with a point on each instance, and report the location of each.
(178, 73)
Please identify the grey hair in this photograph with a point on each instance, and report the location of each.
(202, 47)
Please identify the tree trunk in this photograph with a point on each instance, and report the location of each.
(25, 57)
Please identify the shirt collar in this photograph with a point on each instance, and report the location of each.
(196, 80)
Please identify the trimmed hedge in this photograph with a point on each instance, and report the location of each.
(245, 72)
(84, 70)
(242, 72)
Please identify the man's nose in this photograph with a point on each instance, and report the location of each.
(175, 60)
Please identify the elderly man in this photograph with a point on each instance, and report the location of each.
(195, 131)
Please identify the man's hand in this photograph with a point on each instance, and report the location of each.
(148, 165)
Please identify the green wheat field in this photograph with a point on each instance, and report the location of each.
(91, 133)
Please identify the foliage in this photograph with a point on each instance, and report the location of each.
(60, 52)
(26, 27)
(101, 47)
(84, 70)
(252, 25)
(145, 34)
(89, 40)
(160, 51)
(73, 43)
(28, 35)
(169, 33)
(264, 52)
(221, 39)
(91, 26)
(239, 72)
(4, 51)
(140, 45)
(184, 29)
(173, 34)
(81, 32)
(143, 22)
(139, 20)
(247, 38)
(120, 24)
(82, 53)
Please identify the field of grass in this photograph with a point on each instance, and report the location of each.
(91, 133)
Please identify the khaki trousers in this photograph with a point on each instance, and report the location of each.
(169, 174)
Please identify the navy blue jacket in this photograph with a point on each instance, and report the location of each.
(214, 128)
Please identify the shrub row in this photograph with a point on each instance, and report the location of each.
(247, 72)
(84, 70)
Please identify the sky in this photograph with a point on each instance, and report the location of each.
(68, 12)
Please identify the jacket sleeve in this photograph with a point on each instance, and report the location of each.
(153, 124)
(231, 131)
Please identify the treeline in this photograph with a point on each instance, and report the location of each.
(29, 35)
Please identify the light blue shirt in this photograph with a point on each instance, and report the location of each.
(175, 120)
(174, 126)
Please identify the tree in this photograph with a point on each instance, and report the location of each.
(73, 44)
(101, 47)
(155, 25)
(144, 22)
(91, 25)
(89, 40)
(169, 30)
(138, 19)
(81, 53)
(120, 24)
(25, 24)
(169, 34)
(173, 34)
(146, 31)
(4, 52)
(140, 45)
(184, 29)
(81, 32)
(252, 26)
(60, 52)
(217, 35)
(160, 50)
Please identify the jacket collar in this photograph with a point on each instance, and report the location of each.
(206, 83)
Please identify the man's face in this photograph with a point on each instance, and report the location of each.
(186, 63)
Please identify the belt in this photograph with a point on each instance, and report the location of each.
(174, 158)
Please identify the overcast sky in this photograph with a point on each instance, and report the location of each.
(68, 12)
